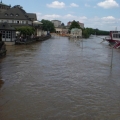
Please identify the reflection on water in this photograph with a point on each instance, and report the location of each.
(60, 79)
(1, 83)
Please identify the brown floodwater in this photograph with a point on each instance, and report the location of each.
(60, 79)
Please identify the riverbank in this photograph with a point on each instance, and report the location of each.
(31, 40)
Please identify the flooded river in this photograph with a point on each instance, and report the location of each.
(60, 79)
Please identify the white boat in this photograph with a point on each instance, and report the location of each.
(114, 39)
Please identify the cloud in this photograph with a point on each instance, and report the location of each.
(86, 5)
(108, 18)
(108, 4)
(69, 16)
(48, 17)
(74, 5)
(102, 23)
(56, 4)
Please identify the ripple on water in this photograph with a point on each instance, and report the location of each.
(57, 79)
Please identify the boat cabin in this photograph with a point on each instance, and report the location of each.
(115, 35)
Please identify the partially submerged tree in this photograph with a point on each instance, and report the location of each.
(74, 24)
(47, 25)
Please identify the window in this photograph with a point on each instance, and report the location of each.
(17, 22)
(17, 15)
(6, 14)
(24, 22)
(116, 35)
(9, 21)
(3, 34)
(119, 35)
(8, 34)
(11, 14)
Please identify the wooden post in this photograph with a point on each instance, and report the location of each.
(82, 43)
(111, 58)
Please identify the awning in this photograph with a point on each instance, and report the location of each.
(37, 23)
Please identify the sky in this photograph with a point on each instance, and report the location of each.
(100, 14)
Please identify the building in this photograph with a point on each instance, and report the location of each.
(76, 33)
(56, 23)
(16, 16)
(8, 33)
(59, 27)
(81, 24)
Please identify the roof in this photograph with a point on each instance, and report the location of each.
(14, 13)
(3, 4)
(18, 13)
(32, 16)
(6, 26)
(56, 20)
(75, 29)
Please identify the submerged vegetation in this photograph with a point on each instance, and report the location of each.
(48, 25)
(90, 31)
(86, 32)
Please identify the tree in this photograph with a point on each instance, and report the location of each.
(26, 30)
(47, 25)
(74, 24)
(85, 33)
(62, 24)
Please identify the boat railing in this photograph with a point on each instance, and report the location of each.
(107, 37)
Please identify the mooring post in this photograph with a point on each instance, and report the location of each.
(82, 43)
(111, 58)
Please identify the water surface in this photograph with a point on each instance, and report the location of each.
(60, 79)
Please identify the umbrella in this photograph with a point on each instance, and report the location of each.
(37, 22)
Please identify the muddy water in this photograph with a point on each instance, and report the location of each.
(60, 79)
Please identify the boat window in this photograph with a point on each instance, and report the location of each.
(114, 35)
(119, 35)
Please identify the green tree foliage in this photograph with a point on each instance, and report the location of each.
(88, 31)
(26, 30)
(101, 32)
(74, 24)
(85, 33)
(47, 25)
(62, 24)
